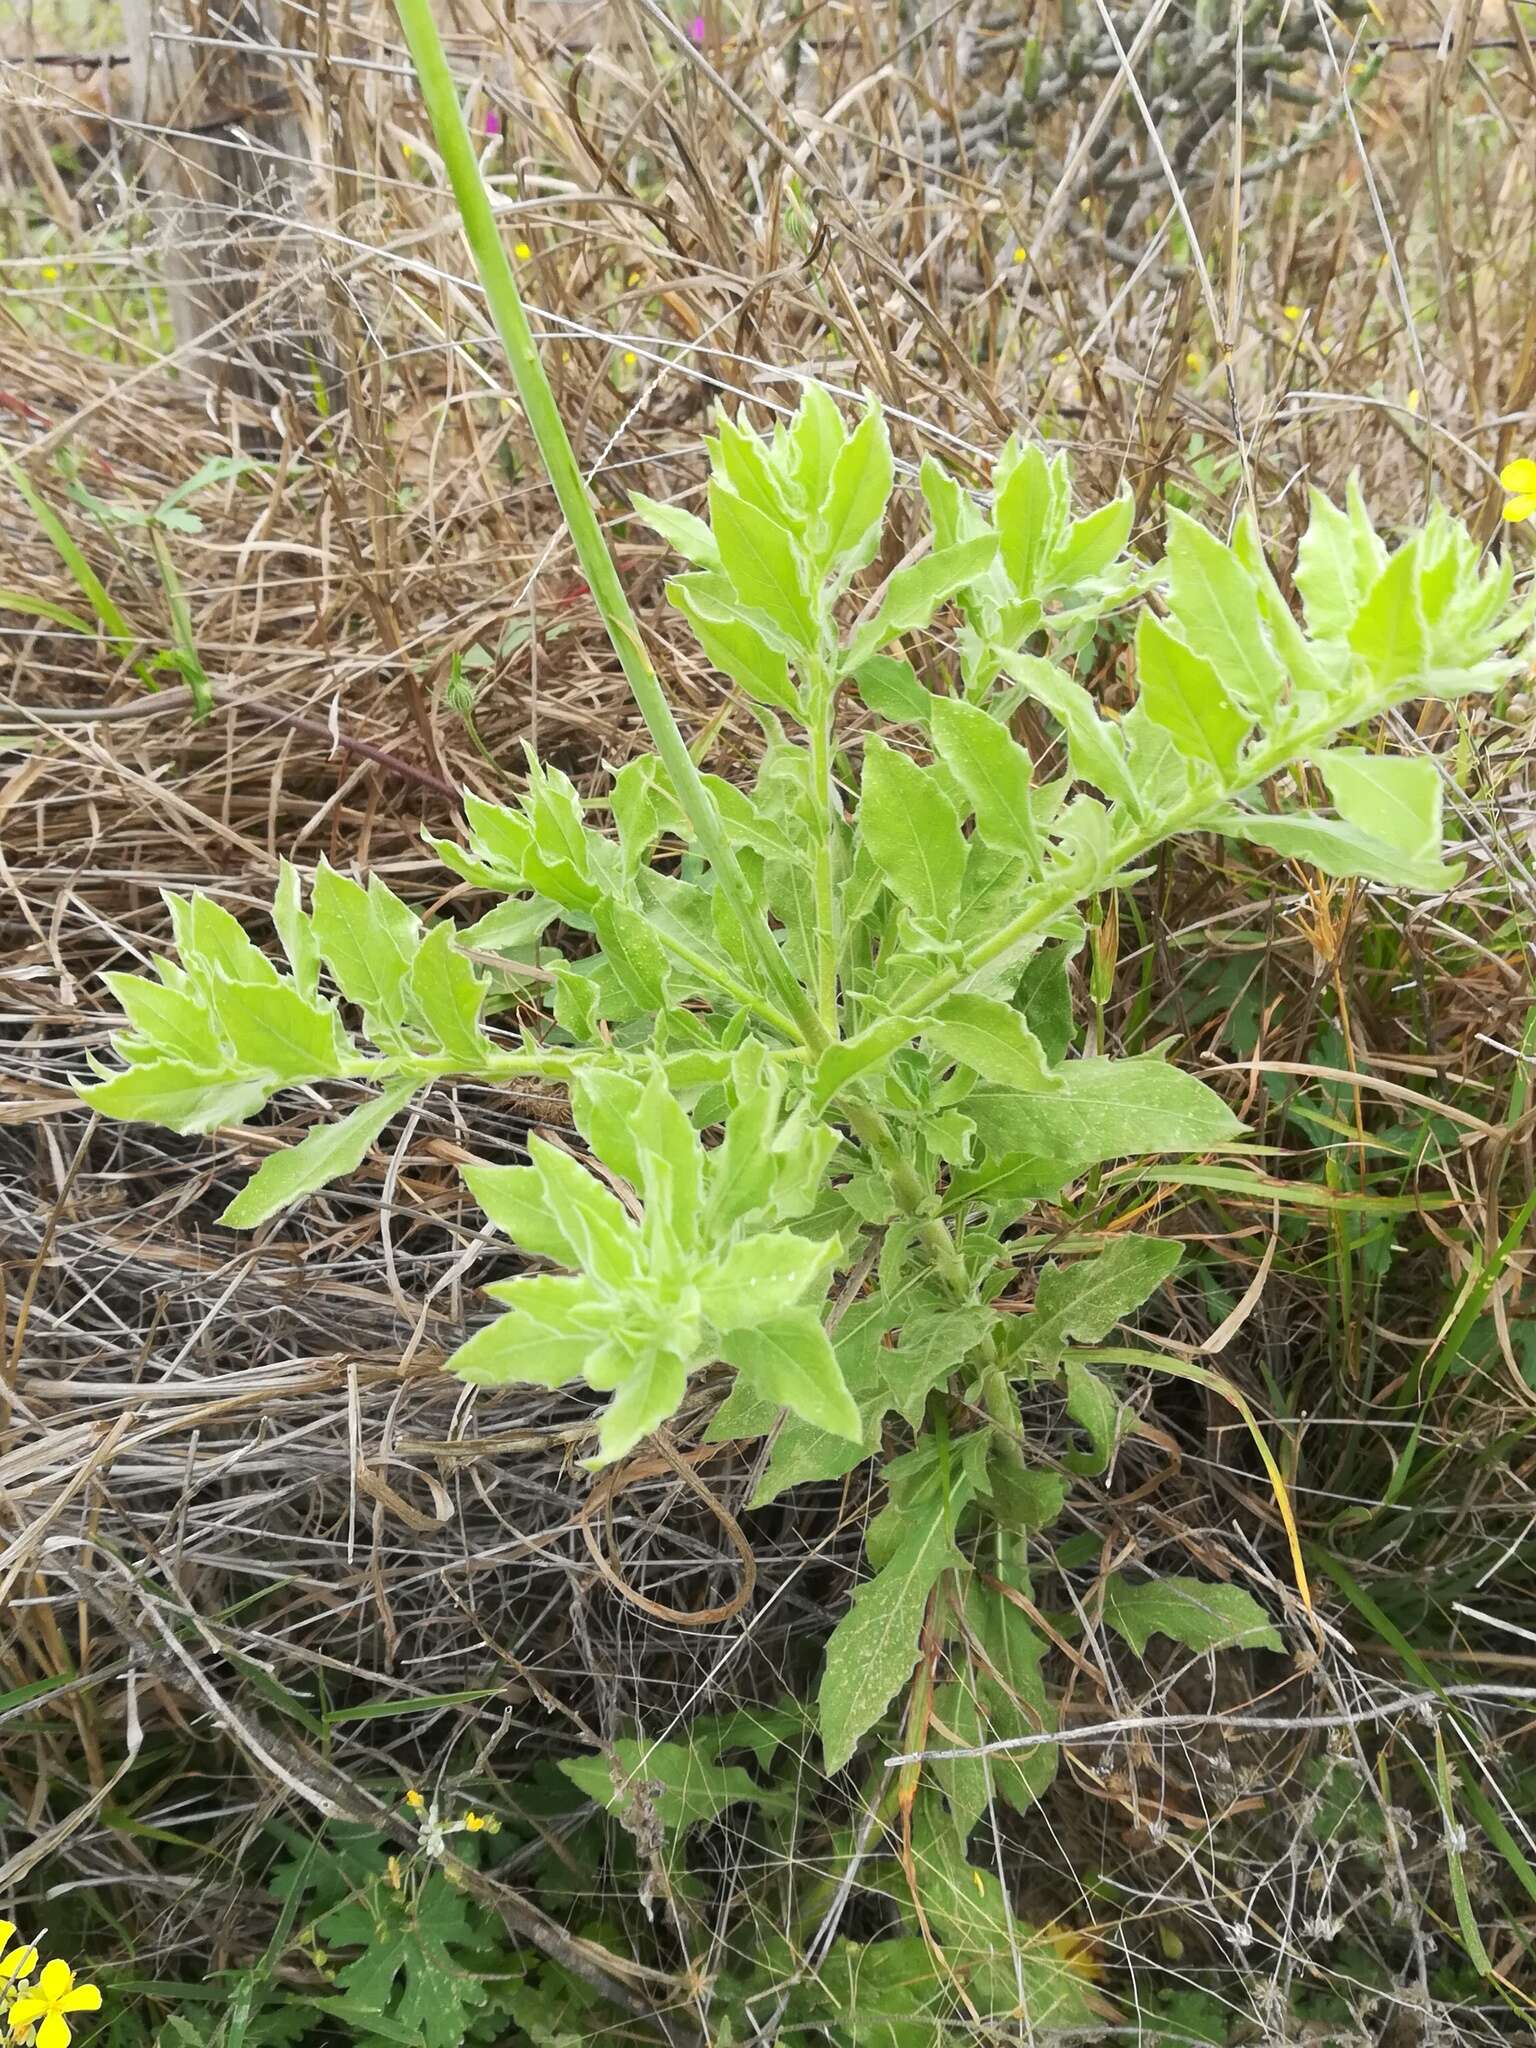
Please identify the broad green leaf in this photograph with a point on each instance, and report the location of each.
(1389, 634)
(1215, 604)
(759, 1279)
(876, 1994)
(1022, 512)
(672, 1780)
(176, 1094)
(1200, 1616)
(1393, 799)
(447, 995)
(1337, 848)
(606, 1103)
(910, 597)
(933, 1343)
(272, 1029)
(1092, 543)
(1097, 1410)
(294, 930)
(671, 1163)
(995, 772)
(993, 1038)
(738, 455)
(892, 690)
(548, 1337)
(816, 438)
(1105, 1109)
(841, 1058)
(762, 562)
(737, 648)
(644, 1398)
(874, 1647)
(1001, 1695)
(1181, 692)
(912, 832)
(1044, 994)
(556, 1208)
(1326, 573)
(175, 1022)
(789, 1359)
(212, 942)
(860, 484)
(684, 531)
(1095, 746)
(360, 944)
(632, 949)
(1082, 1303)
(327, 1152)
(644, 808)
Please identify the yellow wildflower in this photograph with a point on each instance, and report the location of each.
(479, 1823)
(414, 1800)
(1292, 312)
(50, 272)
(522, 252)
(1195, 362)
(406, 151)
(21, 1962)
(44, 2007)
(630, 357)
(1519, 479)
(1021, 254)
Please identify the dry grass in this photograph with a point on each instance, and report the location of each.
(195, 1423)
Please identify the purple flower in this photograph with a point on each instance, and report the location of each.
(492, 122)
(696, 28)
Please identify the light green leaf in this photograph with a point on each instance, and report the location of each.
(911, 596)
(672, 1780)
(176, 1094)
(1391, 799)
(861, 480)
(1389, 634)
(324, 1154)
(762, 562)
(1200, 1616)
(736, 646)
(816, 438)
(684, 531)
(995, 772)
(1337, 848)
(556, 1208)
(788, 1359)
(211, 942)
(1326, 574)
(841, 1057)
(1092, 543)
(762, 1277)
(606, 1103)
(362, 943)
(1082, 1303)
(912, 832)
(447, 995)
(1095, 746)
(272, 1029)
(1097, 1410)
(294, 930)
(892, 690)
(550, 1335)
(874, 1647)
(632, 949)
(1023, 515)
(1181, 692)
(993, 1038)
(177, 1023)
(933, 1343)
(1105, 1109)
(645, 1397)
(671, 1163)
(1215, 604)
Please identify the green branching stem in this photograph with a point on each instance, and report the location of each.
(543, 414)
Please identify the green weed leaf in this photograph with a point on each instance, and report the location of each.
(874, 1646)
(327, 1152)
(913, 833)
(1200, 1616)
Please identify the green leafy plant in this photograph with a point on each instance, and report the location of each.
(818, 1032)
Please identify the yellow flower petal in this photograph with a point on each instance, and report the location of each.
(53, 2033)
(56, 1979)
(1520, 508)
(84, 1998)
(1519, 476)
(26, 2010)
(7, 1929)
(522, 252)
(21, 1962)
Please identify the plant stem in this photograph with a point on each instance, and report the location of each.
(559, 458)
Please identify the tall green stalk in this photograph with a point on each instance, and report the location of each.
(440, 96)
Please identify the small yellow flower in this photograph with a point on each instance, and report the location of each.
(44, 2007)
(630, 357)
(406, 151)
(1195, 362)
(1021, 254)
(481, 1824)
(1292, 312)
(1519, 479)
(414, 1800)
(21, 1962)
(522, 252)
(1413, 399)
(1076, 1953)
(633, 278)
(50, 273)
